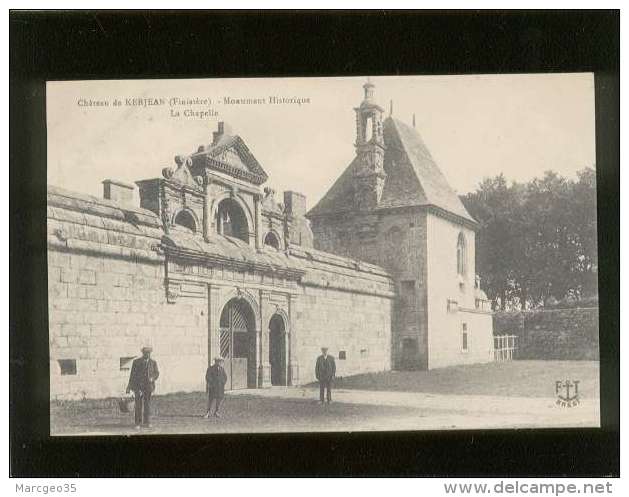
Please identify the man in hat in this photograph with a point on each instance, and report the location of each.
(325, 371)
(144, 372)
(215, 379)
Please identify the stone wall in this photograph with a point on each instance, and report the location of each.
(397, 242)
(452, 310)
(113, 288)
(563, 334)
(345, 309)
(106, 299)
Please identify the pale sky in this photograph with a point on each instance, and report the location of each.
(474, 126)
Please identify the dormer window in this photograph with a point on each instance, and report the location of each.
(461, 255)
(231, 220)
(185, 219)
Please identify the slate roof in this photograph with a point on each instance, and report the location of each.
(413, 178)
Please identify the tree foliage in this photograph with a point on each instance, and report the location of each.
(537, 240)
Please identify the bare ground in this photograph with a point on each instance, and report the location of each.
(497, 395)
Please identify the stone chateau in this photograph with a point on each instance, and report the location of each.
(210, 263)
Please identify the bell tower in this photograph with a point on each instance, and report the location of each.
(369, 172)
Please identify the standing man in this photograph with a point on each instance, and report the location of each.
(215, 379)
(144, 372)
(325, 371)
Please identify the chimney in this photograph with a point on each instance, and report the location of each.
(295, 204)
(223, 129)
(119, 192)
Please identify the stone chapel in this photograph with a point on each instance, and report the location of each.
(211, 263)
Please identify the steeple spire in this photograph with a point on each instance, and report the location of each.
(391, 108)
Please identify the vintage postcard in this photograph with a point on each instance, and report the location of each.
(322, 254)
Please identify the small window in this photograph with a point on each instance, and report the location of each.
(67, 366)
(342, 355)
(394, 235)
(271, 240)
(461, 255)
(464, 338)
(185, 219)
(364, 353)
(125, 363)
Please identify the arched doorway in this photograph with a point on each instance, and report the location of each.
(277, 350)
(237, 342)
(231, 220)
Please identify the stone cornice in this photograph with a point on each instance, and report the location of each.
(214, 259)
(236, 172)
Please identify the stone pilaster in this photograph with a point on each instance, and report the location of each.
(287, 356)
(214, 317)
(291, 341)
(264, 367)
(207, 213)
(258, 220)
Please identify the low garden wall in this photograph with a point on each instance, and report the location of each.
(563, 334)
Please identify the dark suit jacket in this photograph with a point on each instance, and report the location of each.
(325, 368)
(215, 378)
(143, 375)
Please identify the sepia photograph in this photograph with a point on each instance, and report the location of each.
(322, 254)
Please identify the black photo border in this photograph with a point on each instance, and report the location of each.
(57, 45)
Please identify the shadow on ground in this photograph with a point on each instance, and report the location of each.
(183, 413)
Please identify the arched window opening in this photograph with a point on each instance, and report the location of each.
(231, 220)
(271, 240)
(185, 219)
(461, 255)
(368, 129)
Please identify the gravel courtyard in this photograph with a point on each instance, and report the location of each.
(519, 394)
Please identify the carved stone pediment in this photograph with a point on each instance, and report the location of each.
(230, 155)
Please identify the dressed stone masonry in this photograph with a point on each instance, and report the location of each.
(211, 263)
